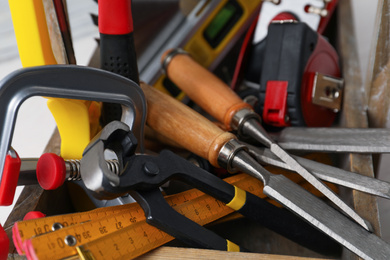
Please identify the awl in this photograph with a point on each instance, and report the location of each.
(327, 173)
(180, 123)
(216, 98)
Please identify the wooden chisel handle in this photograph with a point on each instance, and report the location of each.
(184, 125)
(203, 87)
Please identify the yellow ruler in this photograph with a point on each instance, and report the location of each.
(117, 232)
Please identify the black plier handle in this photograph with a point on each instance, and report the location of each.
(144, 174)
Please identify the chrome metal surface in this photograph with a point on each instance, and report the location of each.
(327, 91)
(284, 156)
(227, 153)
(326, 172)
(315, 211)
(240, 117)
(95, 171)
(253, 129)
(332, 139)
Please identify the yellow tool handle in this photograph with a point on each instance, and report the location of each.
(104, 225)
(204, 88)
(35, 49)
(185, 126)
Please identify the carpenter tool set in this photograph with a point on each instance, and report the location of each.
(217, 119)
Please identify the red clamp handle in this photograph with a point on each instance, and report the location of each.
(10, 178)
(4, 244)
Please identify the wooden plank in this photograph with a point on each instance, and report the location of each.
(378, 74)
(354, 114)
(191, 253)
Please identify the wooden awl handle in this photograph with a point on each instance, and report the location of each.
(184, 125)
(202, 87)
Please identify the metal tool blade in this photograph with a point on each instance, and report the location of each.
(331, 139)
(252, 128)
(326, 172)
(315, 211)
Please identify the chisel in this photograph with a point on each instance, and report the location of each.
(216, 98)
(177, 121)
(341, 140)
(325, 172)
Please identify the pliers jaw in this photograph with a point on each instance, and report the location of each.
(97, 177)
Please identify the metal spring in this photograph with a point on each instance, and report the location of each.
(113, 166)
(73, 168)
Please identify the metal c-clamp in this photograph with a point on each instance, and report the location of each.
(64, 81)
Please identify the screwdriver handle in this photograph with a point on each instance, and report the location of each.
(184, 125)
(202, 86)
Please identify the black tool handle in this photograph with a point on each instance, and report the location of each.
(118, 56)
(117, 48)
(168, 166)
(160, 214)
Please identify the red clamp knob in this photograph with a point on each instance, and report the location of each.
(51, 171)
(34, 215)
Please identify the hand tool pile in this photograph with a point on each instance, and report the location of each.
(162, 146)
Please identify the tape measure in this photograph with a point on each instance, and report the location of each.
(119, 230)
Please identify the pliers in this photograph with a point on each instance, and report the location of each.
(141, 175)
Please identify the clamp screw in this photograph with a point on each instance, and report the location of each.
(151, 169)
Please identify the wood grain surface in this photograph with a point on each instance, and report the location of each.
(378, 75)
(183, 125)
(204, 88)
(354, 114)
(182, 253)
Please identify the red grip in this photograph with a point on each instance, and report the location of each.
(9, 180)
(115, 17)
(4, 244)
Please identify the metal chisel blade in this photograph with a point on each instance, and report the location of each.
(332, 139)
(358, 240)
(252, 128)
(326, 218)
(326, 172)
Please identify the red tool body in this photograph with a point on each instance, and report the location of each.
(292, 66)
(294, 53)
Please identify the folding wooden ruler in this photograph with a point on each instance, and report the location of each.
(120, 231)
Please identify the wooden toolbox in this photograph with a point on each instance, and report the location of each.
(356, 99)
